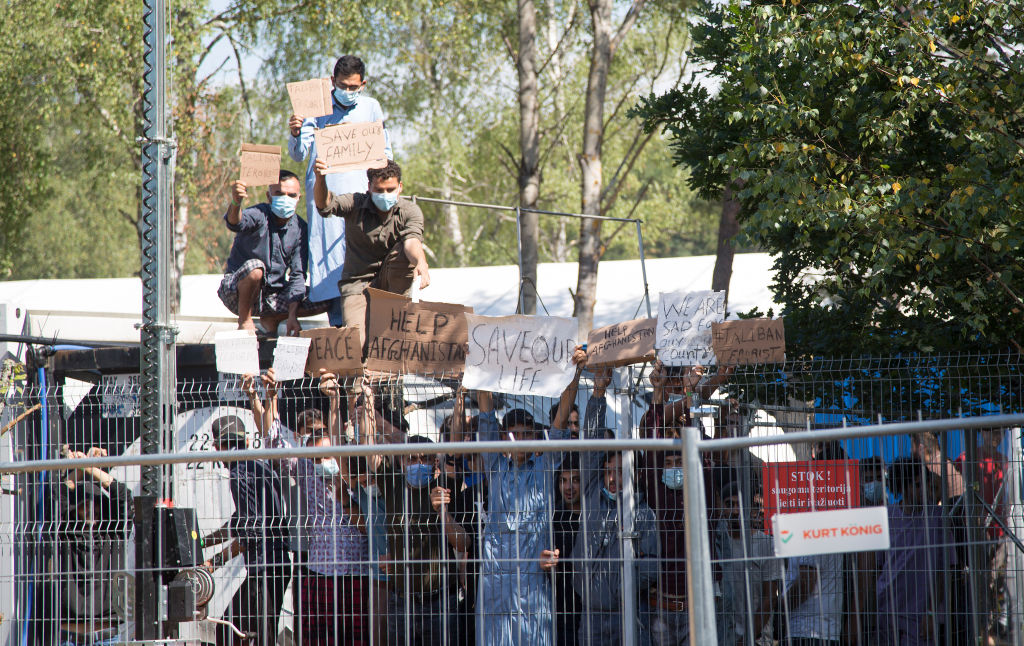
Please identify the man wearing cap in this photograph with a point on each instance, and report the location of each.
(260, 530)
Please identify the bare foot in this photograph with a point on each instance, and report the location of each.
(246, 324)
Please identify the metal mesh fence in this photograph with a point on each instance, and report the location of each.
(380, 516)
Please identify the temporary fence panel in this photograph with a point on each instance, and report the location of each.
(401, 525)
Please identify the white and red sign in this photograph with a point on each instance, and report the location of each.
(812, 485)
(826, 532)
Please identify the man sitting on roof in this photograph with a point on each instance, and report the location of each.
(266, 272)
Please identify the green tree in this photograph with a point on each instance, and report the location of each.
(880, 149)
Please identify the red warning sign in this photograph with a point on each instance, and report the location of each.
(812, 485)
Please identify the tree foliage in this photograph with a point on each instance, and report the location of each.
(880, 148)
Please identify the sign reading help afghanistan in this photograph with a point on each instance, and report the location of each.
(415, 338)
(684, 326)
(352, 146)
(521, 355)
(749, 341)
(810, 485)
(311, 98)
(260, 165)
(237, 352)
(622, 344)
(826, 532)
(335, 350)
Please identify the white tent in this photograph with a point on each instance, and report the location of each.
(107, 309)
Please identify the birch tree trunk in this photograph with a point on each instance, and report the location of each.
(529, 150)
(452, 225)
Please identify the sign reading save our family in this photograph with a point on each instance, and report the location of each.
(749, 341)
(352, 146)
(684, 326)
(415, 338)
(520, 355)
(622, 344)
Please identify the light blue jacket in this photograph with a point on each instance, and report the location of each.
(327, 235)
(515, 594)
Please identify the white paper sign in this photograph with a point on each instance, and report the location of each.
(684, 327)
(859, 529)
(119, 396)
(520, 355)
(290, 357)
(237, 352)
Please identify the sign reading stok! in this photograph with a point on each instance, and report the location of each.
(810, 485)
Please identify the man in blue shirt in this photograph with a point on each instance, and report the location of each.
(265, 274)
(327, 235)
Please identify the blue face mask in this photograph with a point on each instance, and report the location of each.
(346, 97)
(283, 206)
(328, 468)
(874, 492)
(672, 478)
(419, 475)
(384, 201)
(611, 497)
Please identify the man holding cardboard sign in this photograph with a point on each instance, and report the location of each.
(264, 274)
(384, 239)
(346, 103)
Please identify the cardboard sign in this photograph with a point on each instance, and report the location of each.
(290, 355)
(335, 350)
(260, 165)
(810, 485)
(622, 344)
(749, 341)
(352, 146)
(311, 98)
(826, 532)
(237, 352)
(684, 327)
(520, 355)
(415, 338)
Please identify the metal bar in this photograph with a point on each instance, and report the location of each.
(499, 207)
(699, 582)
(627, 536)
(643, 265)
(519, 253)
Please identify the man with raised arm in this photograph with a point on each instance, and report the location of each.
(384, 238)
(515, 592)
(350, 104)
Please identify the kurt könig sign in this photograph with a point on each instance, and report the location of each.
(818, 485)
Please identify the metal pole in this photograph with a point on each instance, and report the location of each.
(519, 251)
(700, 590)
(643, 265)
(629, 533)
(157, 375)
(1015, 570)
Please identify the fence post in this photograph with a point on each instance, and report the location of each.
(629, 584)
(700, 589)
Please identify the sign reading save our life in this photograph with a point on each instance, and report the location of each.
(824, 532)
(520, 355)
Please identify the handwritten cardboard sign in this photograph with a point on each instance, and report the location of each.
(260, 165)
(749, 341)
(623, 343)
(521, 355)
(335, 350)
(684, 326)
(290, 355)
(311, 98)
(352, 146)
(237, 352)
(415, 338)
(818, 485)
